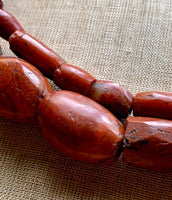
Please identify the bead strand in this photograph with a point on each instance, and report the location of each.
(147, 139)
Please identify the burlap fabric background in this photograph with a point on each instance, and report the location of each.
(127, 41)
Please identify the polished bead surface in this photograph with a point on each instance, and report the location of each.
(113, 96)
(22, 88)
(79, 127)
(148, 143)
(153, 104)
(30, 49)
(8, 24)
(70, 77)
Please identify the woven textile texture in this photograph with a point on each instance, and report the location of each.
(129, 42)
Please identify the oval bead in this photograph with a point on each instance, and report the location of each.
(22, 88)
(79, 127)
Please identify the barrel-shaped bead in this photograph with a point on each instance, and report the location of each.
(153, 104)
(148, 143)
